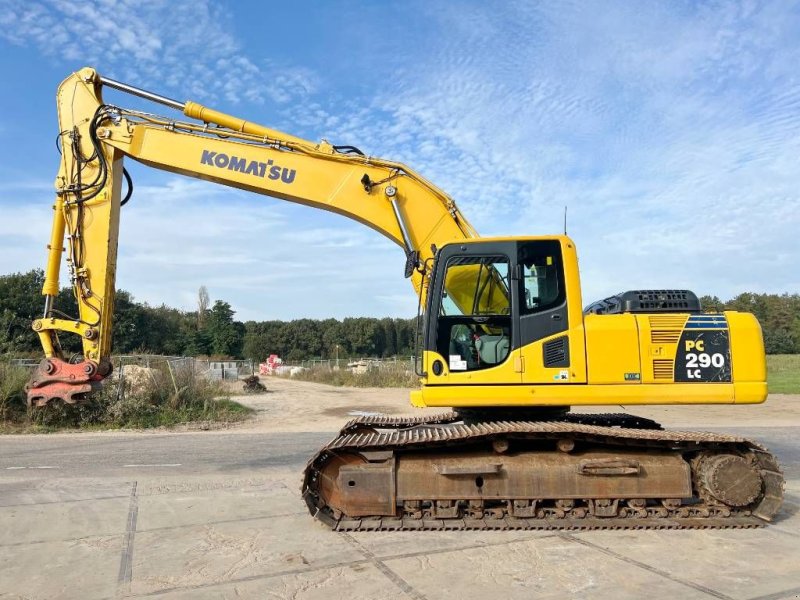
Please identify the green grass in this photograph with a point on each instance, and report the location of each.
(783, 373)
(399, 375)
(12, 390)
(162, 398)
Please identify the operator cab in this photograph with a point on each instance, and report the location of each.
(491, 297)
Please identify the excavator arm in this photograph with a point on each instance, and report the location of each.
(95, 137)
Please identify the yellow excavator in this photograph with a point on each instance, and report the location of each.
(503, 339)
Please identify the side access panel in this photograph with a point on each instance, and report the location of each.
(543, 474)
(612, 349)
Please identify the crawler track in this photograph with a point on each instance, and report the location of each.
(711, 457)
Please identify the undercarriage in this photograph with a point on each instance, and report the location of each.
(568, 471)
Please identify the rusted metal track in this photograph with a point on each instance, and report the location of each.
(406, 524)
(386, 422)
(741, 472)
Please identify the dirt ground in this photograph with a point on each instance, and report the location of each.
(290, 405)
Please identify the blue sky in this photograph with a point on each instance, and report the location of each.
(670, 129)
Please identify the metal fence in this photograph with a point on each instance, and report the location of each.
(234, 369)
(214, 369)
(362, 363)
(27, 363)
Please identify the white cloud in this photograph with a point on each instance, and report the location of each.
(671, 133)
(184, 48)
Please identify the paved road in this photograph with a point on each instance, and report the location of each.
(134, 454)
(137, 454)
(218, 515)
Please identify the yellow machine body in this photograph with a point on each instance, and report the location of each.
(626, 358)
(602, 381)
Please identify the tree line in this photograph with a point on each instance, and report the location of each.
(212, 330)
(779, 315)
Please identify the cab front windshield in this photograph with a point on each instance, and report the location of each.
(474, 322)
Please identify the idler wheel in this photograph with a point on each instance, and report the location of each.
(731, 479)
(328, 479)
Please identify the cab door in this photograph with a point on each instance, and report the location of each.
(472, 337)
(552, 345)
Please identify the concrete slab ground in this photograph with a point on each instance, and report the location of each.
(218, 514)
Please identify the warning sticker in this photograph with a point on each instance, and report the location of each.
(457, 363)
(562, 375)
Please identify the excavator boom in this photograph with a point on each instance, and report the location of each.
(95, 137)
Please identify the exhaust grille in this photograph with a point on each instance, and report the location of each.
(667, 321)
(663, 370)
(666, 329)
(665, 337)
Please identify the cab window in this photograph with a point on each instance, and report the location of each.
(476, 285)
(474, 330)
(542, 276)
